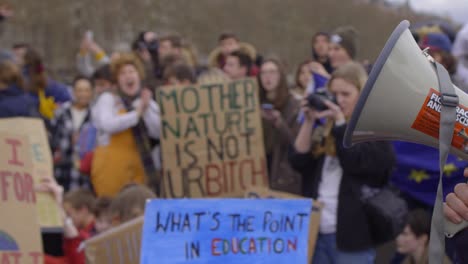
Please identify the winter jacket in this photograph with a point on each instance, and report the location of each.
(369, 164)
(56, 90)
(14, 102)
(277, 141)
(66, 150)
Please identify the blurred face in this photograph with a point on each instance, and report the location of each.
(346, 95)
(128, 80)
(166, 49)
(18, 54)
(321, 46)
(304, 76)
(83, 92)
(174, 81)
(338, 55)
(233, 69)
(102, 85)
(408, 243)
(78, 216)
(228, 46)
(270, 76)
(149, 36)
(103, 223)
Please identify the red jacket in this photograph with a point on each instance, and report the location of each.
(71, 246)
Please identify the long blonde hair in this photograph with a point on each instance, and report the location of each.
(323, 141)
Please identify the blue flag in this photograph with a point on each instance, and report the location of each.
(417, 171)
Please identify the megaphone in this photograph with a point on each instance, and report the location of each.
(401, 101)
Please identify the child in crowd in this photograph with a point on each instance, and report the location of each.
(414, 240)
(103, 219)
(130, 203)
(79, 223)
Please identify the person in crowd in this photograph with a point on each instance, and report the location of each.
(126, 121)
(343, 46)
(14, 101)
(440, 48)
(76, 209)
(227, 44)
(90, 50)
(170, 45)
(6, 11)
(48, 93)
(174, 50)
(302, 79)
(279, 113)
(102, 215)
(460, 51)
(19, 50)
(87, 138)
(237, 65)
(321, 49)
(145, 47)
(66, 128)
(179, 74)
(79, 207)
(130, 203)
(102, 80)
(413, 241)
(336, 175)
(212, 75)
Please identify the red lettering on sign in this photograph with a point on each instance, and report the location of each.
(214, 247)
(14, 145)
(36, 257)
(23, 186)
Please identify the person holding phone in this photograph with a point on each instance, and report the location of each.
(337, 176)
(279, 113)
(90, 51)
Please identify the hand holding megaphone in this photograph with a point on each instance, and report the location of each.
(456, 207)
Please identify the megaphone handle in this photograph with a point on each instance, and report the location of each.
(452, 229)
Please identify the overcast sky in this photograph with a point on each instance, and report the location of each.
(457, 9)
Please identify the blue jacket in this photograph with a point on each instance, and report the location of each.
(56, 90)
(417, 171)
(14, 102)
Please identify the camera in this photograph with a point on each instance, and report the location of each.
(316, 100)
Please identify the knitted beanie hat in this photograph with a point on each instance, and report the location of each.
(347, 38)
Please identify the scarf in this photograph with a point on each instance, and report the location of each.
(142, 140)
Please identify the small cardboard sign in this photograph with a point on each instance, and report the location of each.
(211, 139)
(118, 245)
(20, 239)
(262, 193)
(228, 231)
(34, 130)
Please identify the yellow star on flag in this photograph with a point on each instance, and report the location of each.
(47, 105)
(418, 175)
(449, 169)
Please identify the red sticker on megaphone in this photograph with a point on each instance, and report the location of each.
(428, 120)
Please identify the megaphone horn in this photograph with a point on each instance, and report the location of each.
(401, 101)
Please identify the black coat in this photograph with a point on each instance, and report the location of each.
(369, 164)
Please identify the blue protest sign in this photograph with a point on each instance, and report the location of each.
(226, 231)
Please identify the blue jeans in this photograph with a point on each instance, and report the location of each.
(327, 253)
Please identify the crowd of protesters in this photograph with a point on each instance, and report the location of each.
(104, 132)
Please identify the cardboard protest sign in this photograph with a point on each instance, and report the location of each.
(259, 192)
(20, 239)
(225, 231)
(34, 129)
(212, 141)
(117, 245)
